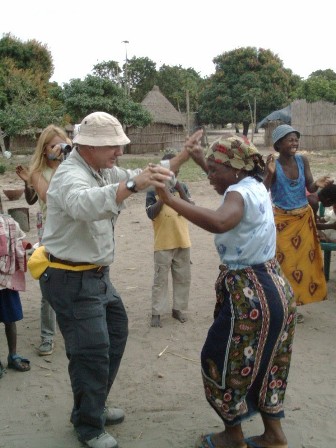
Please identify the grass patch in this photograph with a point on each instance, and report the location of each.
(141, 162)
(190, 172)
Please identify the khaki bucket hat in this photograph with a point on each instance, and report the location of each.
(100, 129)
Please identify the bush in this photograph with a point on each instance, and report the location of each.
(2, 169)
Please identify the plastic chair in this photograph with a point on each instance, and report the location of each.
(327, 249)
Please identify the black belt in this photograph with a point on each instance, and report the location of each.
(71, 263)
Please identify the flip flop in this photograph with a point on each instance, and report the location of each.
(252, 444)
(300, 318)
(18, 363)
(206, 442)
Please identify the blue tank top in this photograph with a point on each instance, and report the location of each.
(289, 194)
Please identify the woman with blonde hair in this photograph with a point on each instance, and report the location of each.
(46, 159)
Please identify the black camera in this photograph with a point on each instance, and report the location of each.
(65, 149)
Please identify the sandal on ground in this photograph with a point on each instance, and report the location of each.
(206, 442)
(2, 370)
(252, 444)
(299, 318)
(18, 363)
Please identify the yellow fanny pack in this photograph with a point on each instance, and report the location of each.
(38, 263)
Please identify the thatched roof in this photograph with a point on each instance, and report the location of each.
(161, 108)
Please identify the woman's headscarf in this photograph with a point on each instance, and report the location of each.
(237, 153)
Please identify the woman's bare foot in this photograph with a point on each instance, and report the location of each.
(273, 436)
(223, 440)
(156, 322)
(267, 442)
(177, 314)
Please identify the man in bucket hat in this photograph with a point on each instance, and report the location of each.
(85, 197)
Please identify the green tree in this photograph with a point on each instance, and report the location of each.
(136, 77)
(31, 56)
(241, 77)
(109, 70)
(175, 81)
(139, 77)
(328, 74)
(95, 93)
(18, 117)
(27, 99)
(320, 86)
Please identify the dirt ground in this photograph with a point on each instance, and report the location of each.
(162, 396)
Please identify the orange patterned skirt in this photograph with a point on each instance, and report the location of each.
(299, 254)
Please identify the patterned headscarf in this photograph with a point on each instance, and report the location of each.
(235, 152)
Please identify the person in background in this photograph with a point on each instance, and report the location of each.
(12, 280)
(328, 227)
(326, 196)
(45, 160)
(171, 253)
(247, 352)
(298, 247)
(326, 224)
(85, 197)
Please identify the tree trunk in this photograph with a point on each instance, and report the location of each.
(245, 127)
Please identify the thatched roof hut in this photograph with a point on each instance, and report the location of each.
(166, 131)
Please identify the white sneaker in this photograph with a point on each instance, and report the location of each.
(46, 348)
(105, 440)
(113, 416)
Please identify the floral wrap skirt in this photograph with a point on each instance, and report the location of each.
(247, 352)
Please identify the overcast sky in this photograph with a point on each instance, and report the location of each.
(79, 34)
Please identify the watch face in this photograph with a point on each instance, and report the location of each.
(130, 185)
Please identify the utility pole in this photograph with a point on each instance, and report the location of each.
(127, 90)
(188, 112)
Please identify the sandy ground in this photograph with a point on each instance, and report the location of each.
(163, 396)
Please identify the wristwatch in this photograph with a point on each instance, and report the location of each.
(131, 186)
